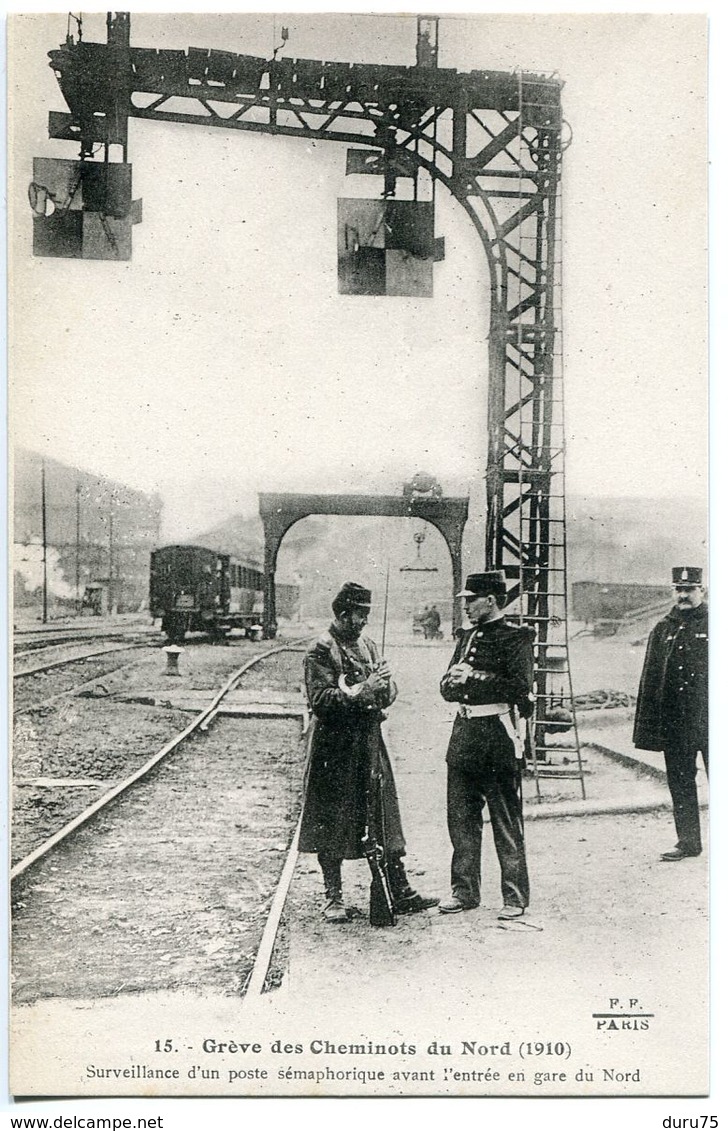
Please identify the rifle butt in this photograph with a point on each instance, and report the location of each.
(381, 906)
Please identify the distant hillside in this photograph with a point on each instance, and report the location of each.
(97, 530)
(243, 537)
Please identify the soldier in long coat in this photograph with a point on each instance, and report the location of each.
(490, 677)
(672, 704)
(348, 688)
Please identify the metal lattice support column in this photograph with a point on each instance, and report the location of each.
(526, 523)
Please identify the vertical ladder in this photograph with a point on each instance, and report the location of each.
(535, 466)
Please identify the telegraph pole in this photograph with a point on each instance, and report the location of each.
(44, 536)
(111, 554)
(78, 548)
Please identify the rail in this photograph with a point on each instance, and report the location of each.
(59, 663)
(257, 979)
(101, 802)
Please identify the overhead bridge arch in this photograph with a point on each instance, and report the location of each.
(279, 512)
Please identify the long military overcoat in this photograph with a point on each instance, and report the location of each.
(345, 741)
(672, 703)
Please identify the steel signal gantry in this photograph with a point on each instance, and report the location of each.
(495, 141)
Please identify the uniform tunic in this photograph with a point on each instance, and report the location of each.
(345, 736)
(672, 710)
(483, 764)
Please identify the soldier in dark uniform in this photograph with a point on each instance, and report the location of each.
(491, 678)
(348, 687)
(672, 704)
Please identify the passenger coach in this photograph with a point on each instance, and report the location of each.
(194, 589)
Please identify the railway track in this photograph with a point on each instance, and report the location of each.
(38, 639)
(39, 683)
(106, 808)
(64, 661)
(76, 689)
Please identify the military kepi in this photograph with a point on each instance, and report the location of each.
(687, 575)
(484, 584)
(352, 596)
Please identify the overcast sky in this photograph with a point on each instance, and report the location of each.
(222, 352)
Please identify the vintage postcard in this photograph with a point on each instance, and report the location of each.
(359, 487)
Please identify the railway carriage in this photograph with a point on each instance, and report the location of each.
(194, 589)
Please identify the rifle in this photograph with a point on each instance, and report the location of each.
(381, 903)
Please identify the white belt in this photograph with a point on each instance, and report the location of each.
(480, 710)
(502, 710)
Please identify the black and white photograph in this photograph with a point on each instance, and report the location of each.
(360, 577)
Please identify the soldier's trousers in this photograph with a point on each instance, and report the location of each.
(681, 765)
(331, 871)
(493, 778)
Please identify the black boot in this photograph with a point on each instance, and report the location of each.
(406, 900)
(333, 910)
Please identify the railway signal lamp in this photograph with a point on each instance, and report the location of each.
(418, 566)
(82, 209)
(386, 247)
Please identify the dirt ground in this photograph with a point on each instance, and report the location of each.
(41, 686)
(68, 752)
(591, 875)
(170, 887)
(608, 919)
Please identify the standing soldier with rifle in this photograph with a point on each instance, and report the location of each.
(350, 807)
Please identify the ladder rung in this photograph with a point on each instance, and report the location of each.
(552, 772)
(514, 371)
(531, 476)
(557, 749)
(554, 447)
(540, 596)
(563, 762)
(527, 445)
